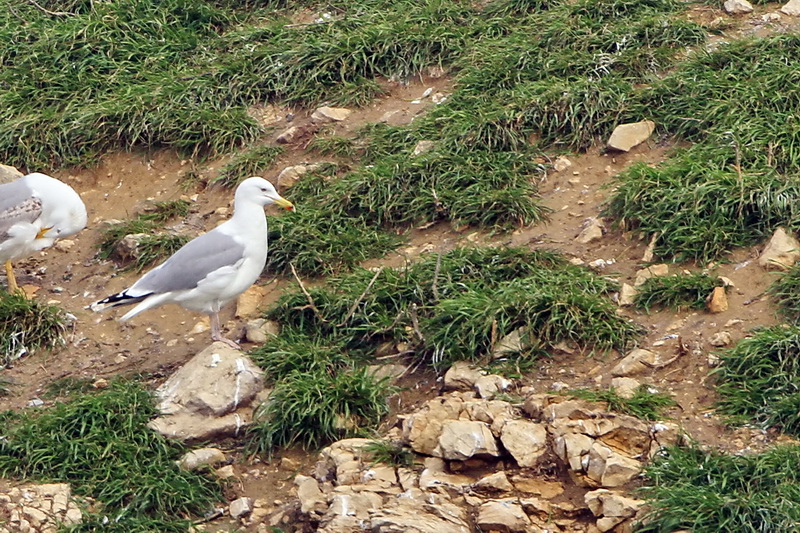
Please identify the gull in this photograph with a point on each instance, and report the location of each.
(212, 269)
(35, 210)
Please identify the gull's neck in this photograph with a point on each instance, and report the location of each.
(248, 216)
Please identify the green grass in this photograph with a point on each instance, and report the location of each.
(708, 492)
(27, 325)
(155, 245)
(757, 381)
(390, 453)
(251, 162)
(5, 387)
(675, 292)
(739, 181)
(785, 291)
(644, 404)
(100, 444)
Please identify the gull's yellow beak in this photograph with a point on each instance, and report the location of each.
(40, 234)
(280, 201)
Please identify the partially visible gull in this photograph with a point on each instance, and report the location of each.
(35, 210)
(212, 269)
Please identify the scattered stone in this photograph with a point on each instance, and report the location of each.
(721, 338)
(636, 362)
(561, 164)
(781, 252)
(592, 231)
(201, 457)
(515, 342)
(502, 515)
(127, 248)
(712, 360)
(289, 135)
(461, 376)
(393, 372)
(791, 8)
(625, 387)
(463, 439)
(226, 472)
(737, 7)
(209, 396)
(627, 295)
(9, 174)
(64, 245)
(726, 282)
(423, 146)
(718, 300)
(497, 482)
(649, 252)
(266, 115)
(249, 302)
(261, 330)
(650, 272)
(291, 175)
(526, 441)
(330, 114)
(626, 136)
(490, 386)
(240, 507)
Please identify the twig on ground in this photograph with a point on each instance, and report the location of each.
(311, 304)
(359, 299)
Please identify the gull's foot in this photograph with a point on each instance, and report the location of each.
(232, 344)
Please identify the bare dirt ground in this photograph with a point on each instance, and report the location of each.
(161, 340)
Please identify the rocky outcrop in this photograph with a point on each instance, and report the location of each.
(463, 484)
(210, 396)
(38, 508)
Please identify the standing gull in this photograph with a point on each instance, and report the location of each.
(35, 210)
(213, 269)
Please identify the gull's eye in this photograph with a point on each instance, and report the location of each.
(263, 189)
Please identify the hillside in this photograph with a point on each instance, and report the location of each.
(539, 301)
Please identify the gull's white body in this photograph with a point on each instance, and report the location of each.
(212, 269)
(35, 211)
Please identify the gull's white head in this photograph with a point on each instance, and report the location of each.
(261, 192)
(63, 211)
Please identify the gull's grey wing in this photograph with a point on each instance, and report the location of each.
(187, 267)
(17, 204)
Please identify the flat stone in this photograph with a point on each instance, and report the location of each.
(201, 457)
(289, 135)
(627, 136)
(497, 482)
(737, 7)
(650, 272)
(635, 362)
(330, 114)
(593, 231)
(461, 376)
(791, 8)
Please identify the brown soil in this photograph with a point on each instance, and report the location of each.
(159, 341)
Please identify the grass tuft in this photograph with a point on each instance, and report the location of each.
(786, 292)
(251, 162)
(390, 453)
(675, 292)
(644, 404)
(757, 381)
(101, 445)
(708, 492)
(27, 325)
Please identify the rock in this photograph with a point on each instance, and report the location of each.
(612, 507)
(781, 252)
(497, 482)
(127, 249)
(625, 387)
(37, 508)
(412, 515)
(649, 272)
(791, 8)
(502, 515)
(423, 146)
(737, 7)
(461, 376)
(610, 469)
(561, 164)
(717, 301)
(249, 302)
(463, 439)
(572, 448)
(536, 485)
(64, 245)
(489, 386)
(312, 500)
(209, 396)
(396, 117)
(291, 175)
(261, 330)
(592, 231)
(392, 372)
(423, 428)
(226, 472)
(330, 114)
(526, 441)
(626, 136)
(627, 295)
(721, 338)
(351, 503)
(201, 457)
(240, 507)
(289, 135)
(9, 174)
(636, 362)
(515, 342)
(649, 252)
